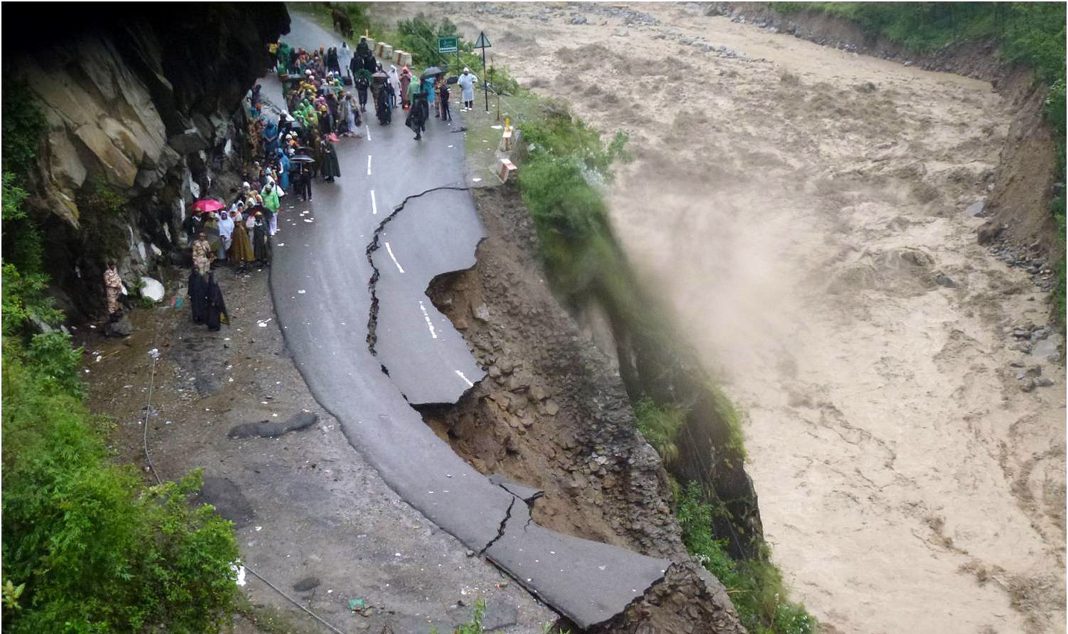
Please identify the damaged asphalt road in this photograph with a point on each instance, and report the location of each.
(319, 287)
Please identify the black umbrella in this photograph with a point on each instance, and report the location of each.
(300, 158)
(431, 72)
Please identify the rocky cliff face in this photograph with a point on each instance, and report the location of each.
(142, 109)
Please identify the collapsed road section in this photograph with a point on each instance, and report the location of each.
(426, 358)
(318, 284)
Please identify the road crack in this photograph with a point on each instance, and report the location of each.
(372, 247)
(501, 528)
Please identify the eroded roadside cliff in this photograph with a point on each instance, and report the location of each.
(142, 116)
(554, 414)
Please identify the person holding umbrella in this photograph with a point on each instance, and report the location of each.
(382, 107)
(302, 176)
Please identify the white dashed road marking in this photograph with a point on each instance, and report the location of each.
(389, 250)
(368, 164)
(466, 380)
(374, 203)
(426, 316)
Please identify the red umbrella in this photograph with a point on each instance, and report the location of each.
(207, 204)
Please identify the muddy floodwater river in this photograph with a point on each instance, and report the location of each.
(805, 210)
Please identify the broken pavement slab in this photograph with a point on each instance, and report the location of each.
(429, 234)
(588, 582)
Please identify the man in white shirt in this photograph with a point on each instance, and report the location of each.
(467, 83)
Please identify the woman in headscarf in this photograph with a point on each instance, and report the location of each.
(226, 232)
(331, 168)
(241, 252)
(261, 240)
(215, 313)
(113, 288)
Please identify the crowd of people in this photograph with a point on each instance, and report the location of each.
(292, 146)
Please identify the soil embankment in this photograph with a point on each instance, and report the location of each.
(812, 215)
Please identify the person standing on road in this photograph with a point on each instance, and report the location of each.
(331, 168)
(394, 83)
(405, 82)
(261, 241)
(304, 178)
(362, 84)
(443, 99)
(226, 232)
(344, 57)
(467, 83)
(420, 110)
(215, 313)
(271, 203)
(241, 252)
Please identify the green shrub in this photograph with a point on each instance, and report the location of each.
(56, 362)
(755, 585)
(93, 549)
(660, 425)
(24, 300)
(23, 125)
(474, 626)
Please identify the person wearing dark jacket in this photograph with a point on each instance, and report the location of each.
(331, 168)
(443, 100)
(261, 241)
(198, 300)
(362, 84)
(215, 304)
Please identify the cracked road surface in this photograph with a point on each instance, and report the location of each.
(319, 282)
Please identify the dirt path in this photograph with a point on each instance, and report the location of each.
(805, 209)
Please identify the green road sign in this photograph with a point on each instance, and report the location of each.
(448, 44)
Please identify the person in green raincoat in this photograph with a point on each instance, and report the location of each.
(271, 203)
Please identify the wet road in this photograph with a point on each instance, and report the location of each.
(319, 282)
